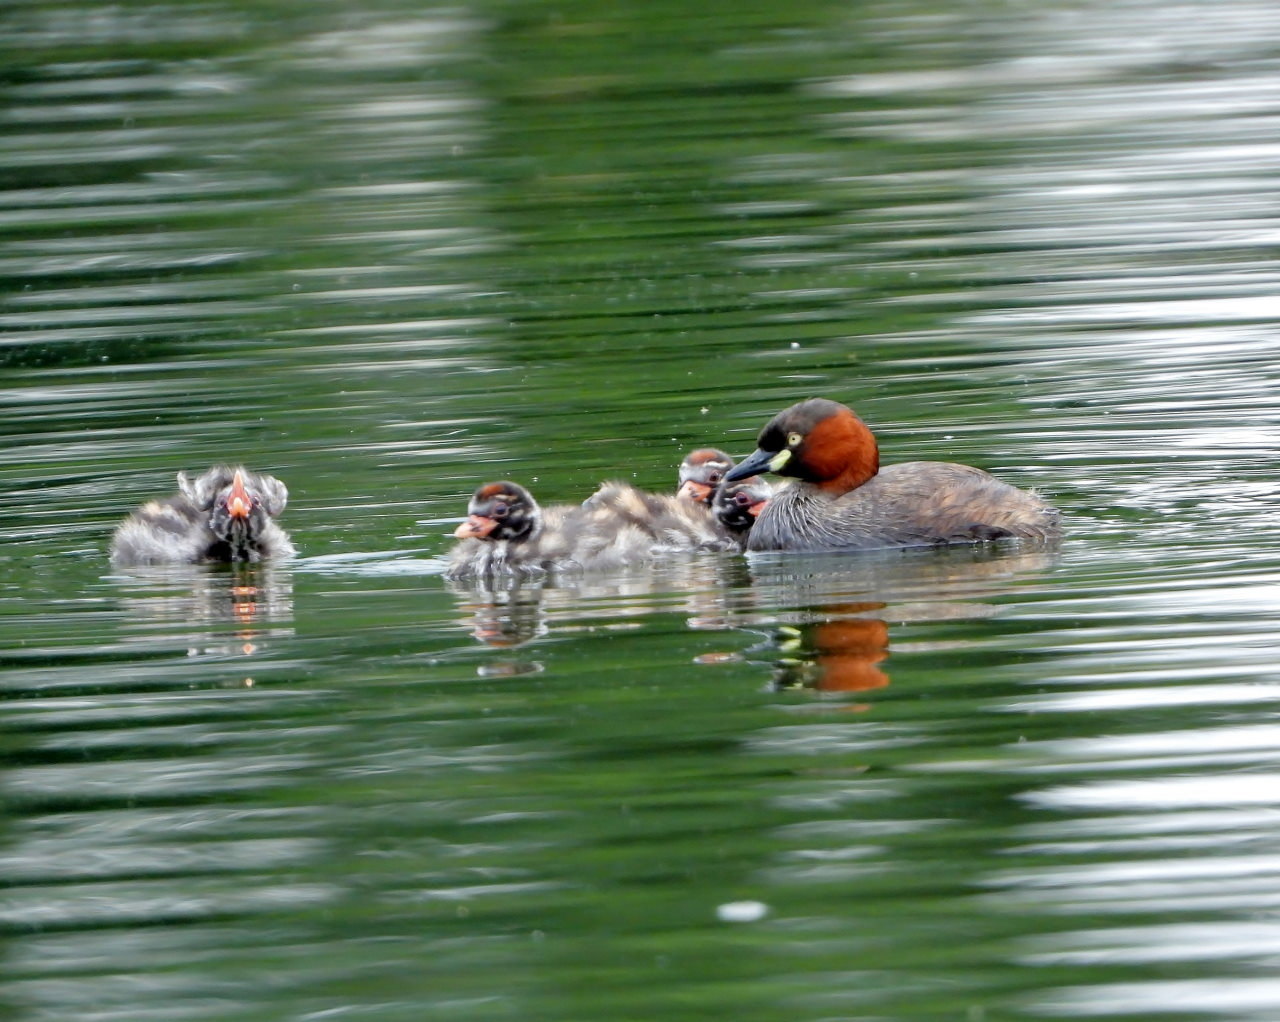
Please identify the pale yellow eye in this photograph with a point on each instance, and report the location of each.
(794, 439)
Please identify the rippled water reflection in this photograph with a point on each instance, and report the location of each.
(388, 252)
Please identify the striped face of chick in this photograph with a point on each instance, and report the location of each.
(700, 474)
(240, 504)
(737, 505)
(500, 511)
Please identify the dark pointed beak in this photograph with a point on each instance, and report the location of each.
(752, 466)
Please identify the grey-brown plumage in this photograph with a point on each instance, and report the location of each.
(842, 500)
(508, 532)
(668, 522)
(225, 514)
(915, 503)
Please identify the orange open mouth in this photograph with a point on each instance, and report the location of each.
(238, 503)
(696, 491)
(475, 527)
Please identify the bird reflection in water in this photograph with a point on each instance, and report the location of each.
(506, 612)
(213, 609)
(838, 655)
(502, 613)
(831, 617)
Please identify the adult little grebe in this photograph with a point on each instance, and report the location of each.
(843, 500)
(224, 515)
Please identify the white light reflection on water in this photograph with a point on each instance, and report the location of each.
(1164, 696)
(1172, 942)
(1158, 794)
(1247, 743)
(1223, 996)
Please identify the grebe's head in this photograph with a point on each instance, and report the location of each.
(737, 504)
(701, 472)
(818, 441)
(502, 510)
(239, 503)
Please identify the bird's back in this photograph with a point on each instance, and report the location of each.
(169, 531)
(916, 503)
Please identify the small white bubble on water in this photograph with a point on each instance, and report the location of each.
(741, 911)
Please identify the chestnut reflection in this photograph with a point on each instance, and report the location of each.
(839, 655)
(832, 616)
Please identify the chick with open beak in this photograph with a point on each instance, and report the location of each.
(225, 514)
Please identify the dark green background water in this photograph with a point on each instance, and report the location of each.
(388, 251)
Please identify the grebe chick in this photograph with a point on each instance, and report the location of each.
(664, 522)
(507, 531)
(223, 515)
(737, 504)
(701, 472)
(734, 505)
